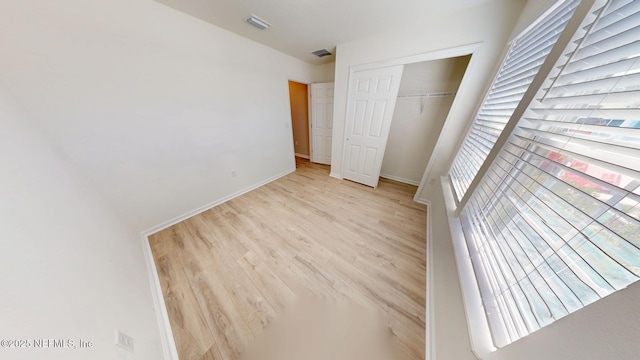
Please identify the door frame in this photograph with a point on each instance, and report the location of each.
(309, 110)
(308, 83)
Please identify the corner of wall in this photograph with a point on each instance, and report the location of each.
(167, 341)
(324, 73)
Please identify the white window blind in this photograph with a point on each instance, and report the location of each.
(520, 66)
(554, 225)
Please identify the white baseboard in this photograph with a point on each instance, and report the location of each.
(303, 156)
(168, 344)
(402, 180)
(213, 204)
(334, 175)
(430, 343)
(162, 316)
(422, 201)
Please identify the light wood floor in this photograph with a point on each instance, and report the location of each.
(228, 272)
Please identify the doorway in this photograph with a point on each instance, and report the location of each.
(312, 120)
(299, 101)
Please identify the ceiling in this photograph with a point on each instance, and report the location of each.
(302, 26)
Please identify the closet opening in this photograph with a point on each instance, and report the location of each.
(427, 91)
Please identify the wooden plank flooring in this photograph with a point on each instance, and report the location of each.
(228, 272)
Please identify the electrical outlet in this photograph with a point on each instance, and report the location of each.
(124, 341)
(234, 173)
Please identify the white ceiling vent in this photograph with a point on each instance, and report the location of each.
(257, 22)
(322, 53)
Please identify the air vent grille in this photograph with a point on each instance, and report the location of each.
(322, 53)
(257, 22)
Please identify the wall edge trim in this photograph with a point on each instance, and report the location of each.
(430, 343)
(400, 179)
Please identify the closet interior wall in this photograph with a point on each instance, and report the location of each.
(427, 91)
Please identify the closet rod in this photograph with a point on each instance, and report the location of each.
(435, 94)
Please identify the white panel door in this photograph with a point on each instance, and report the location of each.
(321, 122)
(372, 99)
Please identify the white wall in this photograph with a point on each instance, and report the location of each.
(607, 329)
(325, 72)
(417, 121)
(71, 269)
(490, 23)
(532, 11)
(156, 108)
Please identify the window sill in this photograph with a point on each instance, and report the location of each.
(478, 327)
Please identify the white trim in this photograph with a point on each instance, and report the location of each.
(166, 335)
(302, 156)
(422, 201)
(289, 124)
(461, 93)
(336, 175)
(307, 84)
(428, 56)
(477, 323)
(537, 19)
(346, 124)
(430, 343)
(397, 178)
(310, 120)
(215, 203)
